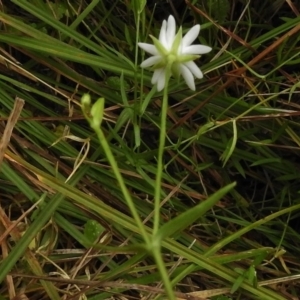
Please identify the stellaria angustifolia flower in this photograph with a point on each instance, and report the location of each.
(175, 52)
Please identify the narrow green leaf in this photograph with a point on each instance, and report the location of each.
(187, 218)
(123, 90)
(229, 149)
(137, 134)
(267, 161)
(128, 37)
(147, 100)
(237, 283)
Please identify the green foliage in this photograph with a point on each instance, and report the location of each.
(115, 83)
(218, 9)
(138, 6)
(241, 125)
(92, 230)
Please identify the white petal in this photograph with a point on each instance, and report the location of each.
(159, 78)
(188, 77)
(170, 32)
(190, 36)
(196, 49)
(194, 69)
(150, 61)
(162, 34)
(148, 48)
(161, 81)
(156, 75)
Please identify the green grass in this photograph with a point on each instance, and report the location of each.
(78, 214)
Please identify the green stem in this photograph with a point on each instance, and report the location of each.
(120, 180)
(162, 138)
(156, 240)
(163, 272)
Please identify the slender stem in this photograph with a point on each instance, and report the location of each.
(156, 250)
(163, 273)
(121, 182)
(156, 240)
(162, 138)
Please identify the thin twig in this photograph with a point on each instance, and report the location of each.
(11, 122)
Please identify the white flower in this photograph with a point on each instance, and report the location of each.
(175, 52)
